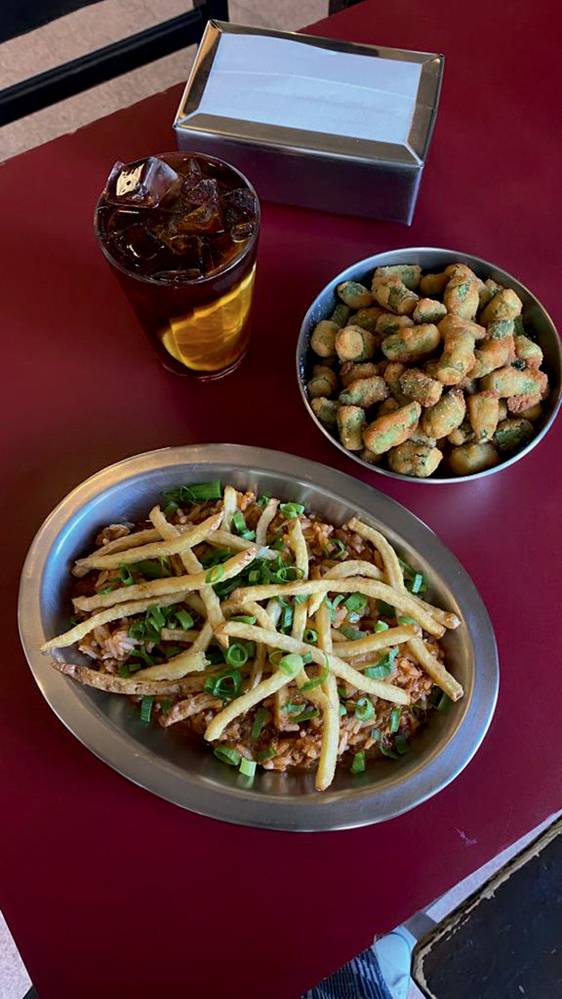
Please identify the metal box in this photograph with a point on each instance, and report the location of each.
(312, 121)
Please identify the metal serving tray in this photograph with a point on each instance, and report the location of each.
(186, 772)
(315, 122)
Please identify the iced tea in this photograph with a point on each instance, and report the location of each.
(181, 231)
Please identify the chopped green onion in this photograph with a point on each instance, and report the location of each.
(286, 618)
(146, 709)
(395, 720)
(165, 705)
(387, 752)
(310, 636)
(317, 681)
(214, 574)
(141, 653)
(307, 714)
(307, 658)
(275, 656)
(300, 598)
(404, 619)
(292, 708)
(443, 702)
(170, 508)
(263, 716)
(227, 755)
(215, 556)
(215, 655)
(343, 710)
(291, 664)
(109, 588)
(332, 605)
(152, 568)
(291, 510)
(385, 609)
(279, 544)
(156, 617)
(225, 685)
(358, 765)
(247, 767)
(364, 709)
(384, 666)
(266, 754)
(236, 654)
(238, 522)
(355, 602)
(185, 620)
(124, 670)
(339, 550)
(401, 744)
(133, 667)
(174, 650)
(244, 618)
(376, 734)
(74, 620)
(264, 499)
(380, 626)
(417, 583)
(248, 535)
(125, 575)
(342, 691)
(195, 492)
(354, 634)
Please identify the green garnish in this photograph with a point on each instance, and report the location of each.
(385, 609)
(380, 626)
(333, 605)
(316, 681)
(184, 619)
(307, 714)
(266, 754)
(292, 708)
(227, 755)
(264, 499)
(238, 521)
(196, 492)
(354, 634)
(339, 550)
(214, 557)
(291, 664)
(291, 510)
(126, 576)
(395, 720)
(358, 765)
(415, 581)
(124, 670)
(310, 636)
(170, 508)
(343, 710)
(153, 568)
(355, 602)
(236, 654)
(165, 705)
(247, 767)
(384, 666)
(141, 653)
(244, 618)
(156, 617)
(364, 709)
(300, 598)
(401, 744)
(109, 588)
(275, 656)
(146, 709)
(226, 684)
(263, 716)
(404, 619)
(443, 702)
(387, 752)
(214, 574)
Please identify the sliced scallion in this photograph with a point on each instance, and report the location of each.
(244, 618)
(247, 767)
(184, 619)
(405, 619)
(125, 575)
(380, 626)
(226, 754)
(355, 602)
(364, 709)
(291, 510)
(214, 574)
(290, 664)
(310, 636)
(146, 709)
(262, 717)
(395, 720)
(358, 765)
(266, 754)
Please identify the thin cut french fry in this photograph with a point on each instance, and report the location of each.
(435, 669)
(230, 506)
(77, 633)
(382, 640)
(300, 613)
(171, 584)
(401, 600)
(178, 635)
(185, 709)
(273, 611)
(354, 567)
(331, 709)
(242, 704)
(191, 661)
(121, 544)
(269, 511)
(158, 549)
(124, 685)
(192, 564)
(224, 539)
(342, 669)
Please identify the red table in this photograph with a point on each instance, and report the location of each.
(108, 890)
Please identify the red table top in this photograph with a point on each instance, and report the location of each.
(109, 890)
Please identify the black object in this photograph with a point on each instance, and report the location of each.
(120, 57)
(504, 940)
(337, 5)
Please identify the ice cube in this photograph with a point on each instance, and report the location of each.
(241, 232)
(143, 184)
(139, 245)
(239, 205)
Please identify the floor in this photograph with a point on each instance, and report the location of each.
(85, 30)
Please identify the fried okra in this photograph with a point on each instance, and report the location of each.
(353, 294)
(445, 416)
(353, 343)
(415, 384)
(415, 458)
(471, 458)
(394, 295)
(411, 342)
(351, 420)
(323, 339)
(324, 381)
(513, 434)
(326, 410)
(392, 429)
(365, 392)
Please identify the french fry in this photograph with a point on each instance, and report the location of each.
(171, 584)
(353, 567)
(435, 669)
(185, 709)
(268, 513)
(331, 710)
(77, 633)
(401, 600)
(124, 685)
(158, 549)
(300, 613)
(118, 545)
(176, 668)
(273, 611)
(242, 704)
(287, 643)
(178, 635)
(224, 539)
(192, 564)
(230, 506)
(372, 643)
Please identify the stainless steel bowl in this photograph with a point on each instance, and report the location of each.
(186, 772)
(430, 259)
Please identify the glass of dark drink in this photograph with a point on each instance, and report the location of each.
(180, 231)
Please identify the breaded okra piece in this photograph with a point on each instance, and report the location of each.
(470, 458)
(414, 458)
(391, 375)
(483, 413)
(351, 420)
(353, 343)
(457, 358)
(505, 305)
(367, 318)
(461, 435)
(461, 297)
(529, 351)
(341, 314)
(531, 413)
(500, 328)
(492, 354)
(415, 384)
(388, 323)
(365, 392)
(429, 311)
(389, 405)
(409, 274)
(350, 372)
(445, 416)
(433, 284)
(510, 381)
(324, 381)
(519, 404)
(326, 410)
(354, 294)
(323, 339)
(513, 434)
(411, 342)
(456, 324)
(370, 456)
(392, 429)
(392, 294)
